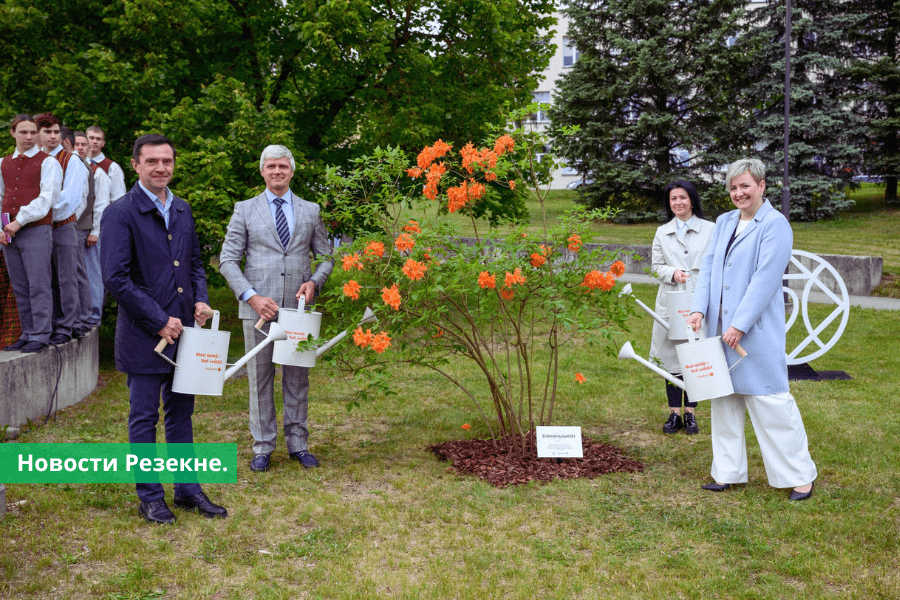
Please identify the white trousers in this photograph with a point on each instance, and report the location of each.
(779, 431)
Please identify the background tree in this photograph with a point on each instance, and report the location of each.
(331, 79)
(652, 92)
(875, 73)
(825, 137)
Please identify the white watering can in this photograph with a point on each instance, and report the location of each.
(200, 359)
(703, 366)
(299, 326)
(679, 305)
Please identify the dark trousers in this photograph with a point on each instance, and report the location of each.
(675, 394)
(144, 392)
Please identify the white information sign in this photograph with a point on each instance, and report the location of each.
(559, 442)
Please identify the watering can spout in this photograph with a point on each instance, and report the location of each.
(368, 317)
(276, 332)
(626, 291)
(628, 352)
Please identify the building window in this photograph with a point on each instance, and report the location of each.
(543, 98)
(570, 52)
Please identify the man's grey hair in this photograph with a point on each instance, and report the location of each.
(755, 166)
(276, 151)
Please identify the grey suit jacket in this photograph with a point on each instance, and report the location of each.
(273, 271)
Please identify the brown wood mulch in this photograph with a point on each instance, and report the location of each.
(502, 465)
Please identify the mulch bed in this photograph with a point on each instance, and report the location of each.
(501, 465)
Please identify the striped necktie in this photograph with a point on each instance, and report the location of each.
(284, 234)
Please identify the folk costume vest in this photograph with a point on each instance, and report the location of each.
(22, 180)
(86, 221)
(105, 164)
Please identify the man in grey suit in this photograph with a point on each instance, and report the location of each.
(276, 231)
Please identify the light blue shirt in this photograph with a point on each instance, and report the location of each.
(163, 208)
(682, 227)
(288, 209)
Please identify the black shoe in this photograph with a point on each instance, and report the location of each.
(260, 462)
(202, 505)
(33, 347)
(306, 459)
(798, 496)
(81, 332)
(59, 338)
(716, 487)
(16, 346)
(157, 511)
(690, 424)
(673, 425)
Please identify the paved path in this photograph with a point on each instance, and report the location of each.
(817, 297)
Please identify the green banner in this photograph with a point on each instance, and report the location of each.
(118, 463)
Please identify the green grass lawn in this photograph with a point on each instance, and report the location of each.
(382, 518)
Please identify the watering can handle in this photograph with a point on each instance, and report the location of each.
(161, 345)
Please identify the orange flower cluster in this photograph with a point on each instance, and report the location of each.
(597, 280)
(514, 278)
(404, 242)
(378, 342)
(512, 185)
(461, 195)
(391, 296)
(537, 260)
(430, 153)
(351, 289)
(466, 426)
(472, 157)
(414, 270)
(504, 144)
(507, 294)
(487, 281)
(374, 250)
(574, 242)
(351, 261)
(362, 339)
(381, 342)
(618, 268)
(433, 177)
(580, 378)
(412, 227)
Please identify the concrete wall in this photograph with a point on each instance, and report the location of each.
(861, 274)
(27, 381)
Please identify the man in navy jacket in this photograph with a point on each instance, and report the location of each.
(150, 259)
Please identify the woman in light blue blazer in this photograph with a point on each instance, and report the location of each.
(739, 296)
(678, 249)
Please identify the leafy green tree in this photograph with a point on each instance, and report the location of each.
(825, 137)
(875, 73)
(652, 92)
(331, 79)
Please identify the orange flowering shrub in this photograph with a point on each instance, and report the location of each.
(437, 298)
(351, 289)
(466, 426)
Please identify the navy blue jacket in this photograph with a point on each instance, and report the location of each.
(153, 274)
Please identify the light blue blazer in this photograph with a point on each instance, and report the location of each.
(746, 284)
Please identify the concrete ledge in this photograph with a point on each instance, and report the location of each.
(861, 274)
(27, 381)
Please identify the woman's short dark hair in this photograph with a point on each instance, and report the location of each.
(692, 194)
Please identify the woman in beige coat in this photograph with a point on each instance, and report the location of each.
(678, 249)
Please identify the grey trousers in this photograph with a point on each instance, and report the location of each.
(85, 306)
(66, 304)
(28, 262)
(294, 389)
